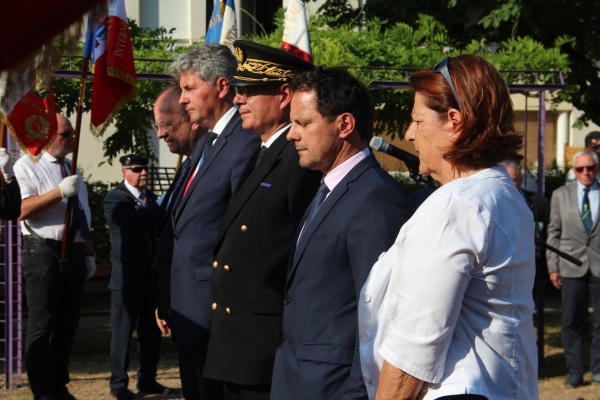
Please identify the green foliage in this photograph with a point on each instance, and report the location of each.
(100, 237)
(132, 123)
(421, 45)
(571, 26)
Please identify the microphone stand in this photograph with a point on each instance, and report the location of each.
(541, 243)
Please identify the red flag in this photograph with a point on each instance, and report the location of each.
(28, 109)
(114, 83)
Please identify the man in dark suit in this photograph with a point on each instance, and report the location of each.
(574, 229)
(129, 210)
(254, 239)
(174, 127)
(355, 216)
(218, 160)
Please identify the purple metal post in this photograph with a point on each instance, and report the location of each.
(542, 144)
(523, 184)
(11, 351)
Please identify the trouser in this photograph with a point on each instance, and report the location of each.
(128, 309)
(193, 385)
(54, 302)
(233, 391)
(573, 299)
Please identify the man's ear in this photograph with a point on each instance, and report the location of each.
(286, 96)
(346, 124)
(223, 87)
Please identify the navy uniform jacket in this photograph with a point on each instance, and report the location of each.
(250, 265)
(318, 357)
(196, 219)
(131, 238)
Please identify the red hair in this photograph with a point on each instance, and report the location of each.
(488, 135)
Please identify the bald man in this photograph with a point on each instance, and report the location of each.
(54, 289)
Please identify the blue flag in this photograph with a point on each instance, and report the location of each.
(222, 27)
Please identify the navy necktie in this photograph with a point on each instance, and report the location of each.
(586, 214)
(316, 203)
(84, 230)
(261, 153)
(185, 167)
(210, 138)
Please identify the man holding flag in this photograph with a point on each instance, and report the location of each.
(54, 288)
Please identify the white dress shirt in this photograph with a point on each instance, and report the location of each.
(135, 192)
(450, 302)
(36, 179)
(275, 136)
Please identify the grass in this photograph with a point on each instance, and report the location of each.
(90, 366)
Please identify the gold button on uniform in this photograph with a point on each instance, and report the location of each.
(214, 306)
(286, 301)
(282, 339)
(244, 228)
(228, 311)
(226, 268)
(215, 264)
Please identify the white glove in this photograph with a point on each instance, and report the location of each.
(90, 266)
(69, 186)
(6, 165)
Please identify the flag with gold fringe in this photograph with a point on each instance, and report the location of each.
(27, 105)
(114, 83)
(296, 39)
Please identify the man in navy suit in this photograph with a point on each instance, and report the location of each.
(174, 127)
(354, 217)
(255, 237)
(129, 210)
(218, 160)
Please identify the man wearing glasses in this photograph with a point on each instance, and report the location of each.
(216, 167)
(250, 264)
(573, 228)
(592, 142)
(54, 288)
(129, 210)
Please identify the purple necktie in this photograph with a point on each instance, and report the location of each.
(84, 230)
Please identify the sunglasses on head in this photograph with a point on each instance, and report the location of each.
(588, 168)
(67, 134)
(138, 169)
(442, 68)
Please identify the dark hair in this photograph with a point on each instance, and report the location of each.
(338, 92)
(488, 134)
(592, 135)
(177, 108)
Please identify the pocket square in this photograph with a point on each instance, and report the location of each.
(265, 184)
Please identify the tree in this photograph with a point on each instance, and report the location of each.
(133, 121)
(400, 44)
(548, 23)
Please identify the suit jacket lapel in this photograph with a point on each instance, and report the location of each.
(267, 163)
(178, 201)
(329, 203)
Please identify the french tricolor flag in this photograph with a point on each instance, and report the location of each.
(296, 39)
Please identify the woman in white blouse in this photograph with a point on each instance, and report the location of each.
(447, 311)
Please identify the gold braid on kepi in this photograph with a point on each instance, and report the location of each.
(264, 65)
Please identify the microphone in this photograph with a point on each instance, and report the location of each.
(379, 144)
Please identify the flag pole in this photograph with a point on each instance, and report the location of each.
(84, 69)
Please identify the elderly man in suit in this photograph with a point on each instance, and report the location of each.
(255, 236)
(129, 210)
(354, 217)
(172, 124)
(574, 229)
(217, 163)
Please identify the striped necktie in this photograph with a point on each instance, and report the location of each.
(586, 213)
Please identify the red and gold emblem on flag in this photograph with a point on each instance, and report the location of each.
(32, 119)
